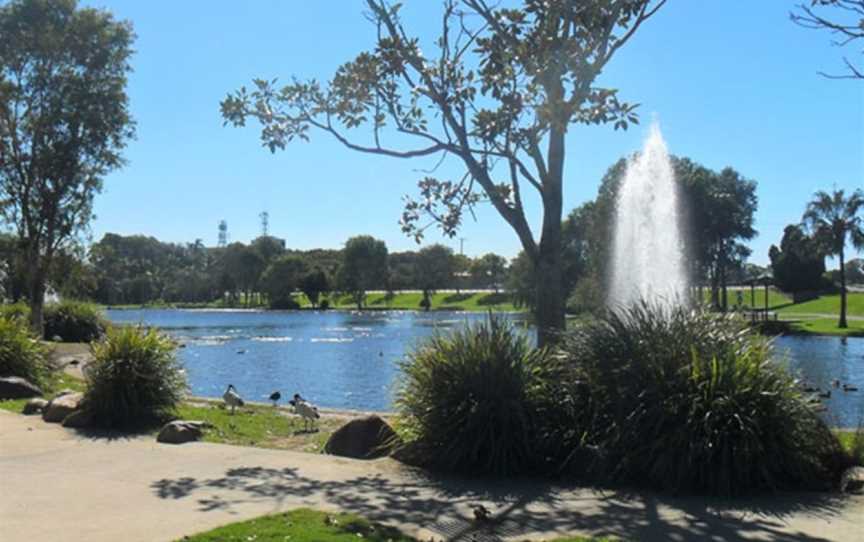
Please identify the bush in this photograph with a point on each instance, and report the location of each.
(284, 303)
(20, 353)
(689, 401)
(19, 311)
(74, 322)
(466, 401)
(324, 305)
(135, 380)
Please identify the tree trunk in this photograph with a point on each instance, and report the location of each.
(550, 297)
(842, 324)
(36, 291)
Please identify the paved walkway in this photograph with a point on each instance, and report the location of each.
(58, 485)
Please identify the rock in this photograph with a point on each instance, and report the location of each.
(180, 431)
(363, 438)
(853, 480)
(79, 418)
(14, 387)
(61, 406)
(34, 406)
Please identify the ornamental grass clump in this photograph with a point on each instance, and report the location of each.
(21, 354)
(135, 380)
(466, 401)
(74, 321)
(689, 401)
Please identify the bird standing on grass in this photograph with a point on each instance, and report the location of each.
(232, 398)
(275, 396)
(305, 410)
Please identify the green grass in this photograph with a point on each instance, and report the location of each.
(776, 298)
(853, 443)
(57, 381)
(304, 525)
(827, 326)
(261, 426)
(477, 302)
(828, 304)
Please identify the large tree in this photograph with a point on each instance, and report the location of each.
(844, 19)
(434, 271)
(834, 219)
(64, 120)
(799, 263)
(499, 95)
(364, 267)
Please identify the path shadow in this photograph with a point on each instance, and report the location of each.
(520, 507)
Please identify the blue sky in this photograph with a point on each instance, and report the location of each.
(731, 82)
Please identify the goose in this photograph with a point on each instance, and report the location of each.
(275, 396)
(849, 387)
(305, 409)
(232, 398)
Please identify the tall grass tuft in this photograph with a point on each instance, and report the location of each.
(74, 321)
(135, 380)
(691, 401)
(21, 354)
(466, 400)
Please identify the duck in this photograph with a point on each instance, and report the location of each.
(241, 351)
(835, 383)
(275, 396)
(850, 387)
(232, 398)
(305, 410)
(809, 388)
(825, 394)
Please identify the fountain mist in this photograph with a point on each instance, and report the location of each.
(647, 256)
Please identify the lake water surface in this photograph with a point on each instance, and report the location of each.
(348, 360)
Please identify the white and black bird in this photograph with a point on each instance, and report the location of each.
(232, 398)
(305, 410)
(275, 396)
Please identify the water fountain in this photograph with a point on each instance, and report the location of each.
(648, 250)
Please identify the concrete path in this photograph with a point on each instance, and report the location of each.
(58, 485)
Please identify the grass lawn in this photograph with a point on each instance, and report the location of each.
(58, 381)
(828, 304)
(827, 326)
(440, 301)
(304, 525)
(853, 443)
(261, 426)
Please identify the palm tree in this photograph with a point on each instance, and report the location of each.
(832, 218)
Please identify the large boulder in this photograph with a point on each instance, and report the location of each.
(78, 419)
(853, 480)
(14, 387)
(180, 431)
(363, 438)
(34, 406)
(60, 407)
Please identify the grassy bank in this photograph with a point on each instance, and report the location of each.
(475, 302)
(304, 525)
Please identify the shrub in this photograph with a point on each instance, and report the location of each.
(466, 400)
(135, 380)
(690, 401)
(18, 311)
(74, 322)
(324, 304)
(284, 303)
(21, 354)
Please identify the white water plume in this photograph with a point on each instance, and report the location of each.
(648, 251)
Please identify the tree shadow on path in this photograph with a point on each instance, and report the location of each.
(443, 505)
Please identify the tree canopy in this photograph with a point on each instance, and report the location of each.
(499, 94)
(64, 120)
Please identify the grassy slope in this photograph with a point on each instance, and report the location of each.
(261, 426)
(304, 525)
(828, 304)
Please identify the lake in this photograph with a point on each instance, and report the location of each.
(348, 360)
